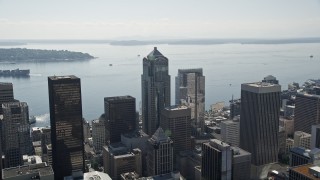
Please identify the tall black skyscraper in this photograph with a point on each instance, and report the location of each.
(120, 114)
(155, 82)
(66, 126)
(259, 123)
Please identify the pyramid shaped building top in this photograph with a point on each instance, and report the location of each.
(154, 54)
(160, 136)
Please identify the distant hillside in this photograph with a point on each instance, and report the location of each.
(23, 55)
(217, 41)
(11, 43)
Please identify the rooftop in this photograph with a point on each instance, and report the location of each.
(153, 55)
(302, 134)
(63, 77)
(115, 98)
(135, 134)
(304, 170)
(5, 84)
(239, 152)
(195, 70)
(95, 175)
(301, 151)
(160, 136)
(261, 87)
(217, 143)
(304, 94)
(176, 107)
(42, 169)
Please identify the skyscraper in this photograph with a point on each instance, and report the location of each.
(216, 160)
(176, 123)
(307, 112)
(17, 140)
(120, 114)
(66, 126)
(260, 109)
(160, 154)
(190, 91)
(98, 134)
(6, 93)
(155, 82)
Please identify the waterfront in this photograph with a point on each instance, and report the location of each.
(225, 66)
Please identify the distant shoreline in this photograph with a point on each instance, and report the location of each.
(208, 41)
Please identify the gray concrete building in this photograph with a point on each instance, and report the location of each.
(241, 164)
(187, 161)
(307, 112)
(287, 124)
(98, 135)
(155, 85)
(230, 132)
(137, 139)
(160, 154)
(176, 123)
(190, 91)
(216, 160)
(302, 139)
(260, 109)
(17, 140)
(118, 159)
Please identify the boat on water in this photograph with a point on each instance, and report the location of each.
(15, 73)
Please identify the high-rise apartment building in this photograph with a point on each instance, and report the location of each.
(155, 85)
(216, 160)
(190, 91)
(17, 140)
(98, 134)
(230, 132)
(160, 154)
(66, 126)
(120, 114)
(260, 109)
(176, 123)
(6, 93)
(307, 112)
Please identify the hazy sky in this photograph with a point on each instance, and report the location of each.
(155, 19)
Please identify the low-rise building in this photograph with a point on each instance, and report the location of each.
(305, 172)
(175, 175)
(302, 139)
(32, 171)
